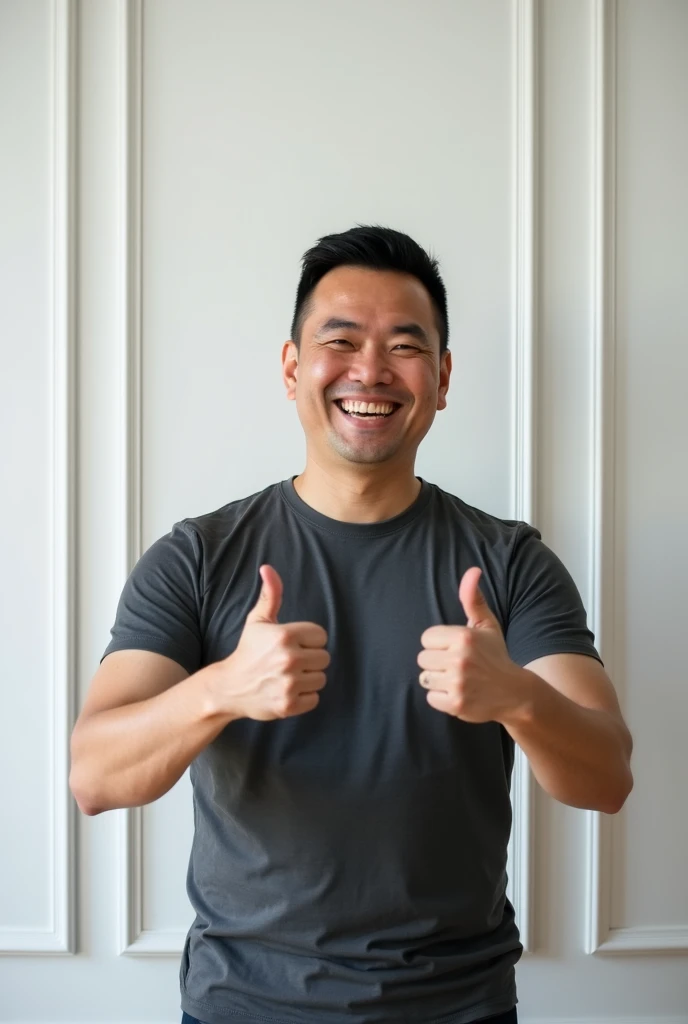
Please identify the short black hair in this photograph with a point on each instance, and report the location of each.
(377, 248)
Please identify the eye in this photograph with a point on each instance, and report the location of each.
(412, 347)
(336, 341)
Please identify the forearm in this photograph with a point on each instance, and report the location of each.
(129, 756)
(579, 755)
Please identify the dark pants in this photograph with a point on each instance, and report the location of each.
(502, 1018)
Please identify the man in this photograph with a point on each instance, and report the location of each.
(346, 660)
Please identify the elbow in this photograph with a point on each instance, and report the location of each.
(624, 785)
(88, 810)
(623, 793)
(82, 779)
(84, 799)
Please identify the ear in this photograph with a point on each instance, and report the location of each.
(445, 374)
(290, 360)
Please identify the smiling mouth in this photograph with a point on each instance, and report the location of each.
(357, 415)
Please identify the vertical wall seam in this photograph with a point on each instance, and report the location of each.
(524, 390)
(602, 461)
(130, 102)
(64, 507)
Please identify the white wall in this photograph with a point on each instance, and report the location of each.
(164, 167)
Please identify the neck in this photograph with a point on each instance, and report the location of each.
(358, 493)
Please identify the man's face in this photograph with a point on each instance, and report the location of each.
(399, 370)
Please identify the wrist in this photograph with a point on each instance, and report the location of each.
(524, 688)
(212, 680)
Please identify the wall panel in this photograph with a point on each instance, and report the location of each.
(38, 508)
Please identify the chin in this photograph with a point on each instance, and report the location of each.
(361, 454)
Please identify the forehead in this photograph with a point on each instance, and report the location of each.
(369, 296)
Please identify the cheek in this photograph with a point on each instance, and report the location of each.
(311, 386)
(423, 382)
(319, 374)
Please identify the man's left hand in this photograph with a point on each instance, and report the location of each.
(467, 670)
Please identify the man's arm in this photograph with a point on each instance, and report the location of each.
(144, 720)
(569, 725)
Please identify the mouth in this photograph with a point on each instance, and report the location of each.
(375, 413)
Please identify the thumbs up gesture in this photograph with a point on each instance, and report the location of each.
(276, 669)
(467, 670)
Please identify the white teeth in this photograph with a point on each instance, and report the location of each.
(367, 407)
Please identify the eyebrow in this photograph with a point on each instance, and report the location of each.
(337, 324)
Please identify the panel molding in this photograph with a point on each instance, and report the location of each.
(60, 937)
(133, 939)
(602, 456)
(524, 370)
(600, 936)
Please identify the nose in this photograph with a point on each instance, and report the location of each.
(370, 367)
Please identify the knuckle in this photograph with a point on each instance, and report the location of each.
(283, 707)
(314, 701)
(461, 663)
(282, 636)
(287, 660)
(458, 696)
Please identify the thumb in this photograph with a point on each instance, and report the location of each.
(475, 606)
(270, 599)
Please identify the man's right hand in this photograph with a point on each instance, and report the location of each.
(276, 669)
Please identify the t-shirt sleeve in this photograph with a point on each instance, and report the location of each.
(545, 610)
(159, 608)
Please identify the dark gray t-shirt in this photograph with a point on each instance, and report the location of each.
(349, 863)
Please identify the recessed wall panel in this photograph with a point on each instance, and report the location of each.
(651, 481)
(26, 430)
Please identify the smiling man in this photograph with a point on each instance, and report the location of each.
(346, 660)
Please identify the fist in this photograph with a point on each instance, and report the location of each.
(277, 669)
(467, 669)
